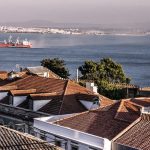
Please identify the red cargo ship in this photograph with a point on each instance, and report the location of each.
(10, 44)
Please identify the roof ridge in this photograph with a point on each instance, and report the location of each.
(14, 83)
(48, 93)
(132, 103)
(64, 95)
(119, 108)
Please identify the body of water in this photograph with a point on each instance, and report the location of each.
(133, 52)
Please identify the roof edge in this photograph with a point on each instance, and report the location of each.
(126, 129)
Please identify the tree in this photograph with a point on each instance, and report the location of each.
(88, 70)
(103, 73)
(57, 66)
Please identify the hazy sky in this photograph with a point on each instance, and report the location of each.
(76, 11)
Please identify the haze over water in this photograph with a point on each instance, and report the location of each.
(133, 52)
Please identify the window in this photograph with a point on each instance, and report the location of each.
(11, 125)
(21, 129)
(91, 148)
(42, 136)
(58, 143)
(1, 122)
(74, 145)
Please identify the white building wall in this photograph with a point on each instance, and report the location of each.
(17, 100)
(89, 105)
(84, 140)
(55, 117)
(2, 95)
(37, 104)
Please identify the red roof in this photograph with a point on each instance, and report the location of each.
(130, 109)
(137, 135)
(14, 140)
(65, 95)
(108, 121)
(99, 122)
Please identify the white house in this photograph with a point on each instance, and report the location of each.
(67, 138)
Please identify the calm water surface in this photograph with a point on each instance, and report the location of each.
(133, 52)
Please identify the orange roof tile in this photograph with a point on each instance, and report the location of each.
(99, 122)
(8, 87)
(65, 97)
(130, 109)
(137, 135)
(22, 92)
(14, 140)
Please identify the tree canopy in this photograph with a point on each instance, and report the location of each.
(106, 69)
(57, 66)
(103, 73)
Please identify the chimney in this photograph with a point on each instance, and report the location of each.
(91, 86)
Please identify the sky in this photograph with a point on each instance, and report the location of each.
(76, 11)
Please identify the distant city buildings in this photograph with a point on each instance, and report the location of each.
(68, 31)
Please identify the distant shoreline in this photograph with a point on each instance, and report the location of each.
(71, 31)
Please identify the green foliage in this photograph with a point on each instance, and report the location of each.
(89, 70)
(57, 66)
(103, 73)
(110, 91)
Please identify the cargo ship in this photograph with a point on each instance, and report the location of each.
(18, 44)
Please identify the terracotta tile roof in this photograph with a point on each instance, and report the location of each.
(130, 109)
(3, 75)
(65, 97)
(99, 122)
(2, 72)
(14, 140)
(23, 74)
(138, 135)
(44, 96)
(142, 101)
(41, 84)
(5, 81)
(68, 101)
(53, 106)
(36, 69)
(53, 75)
(74, 92)
(22, 92)
(8, 87)
(40, 69)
